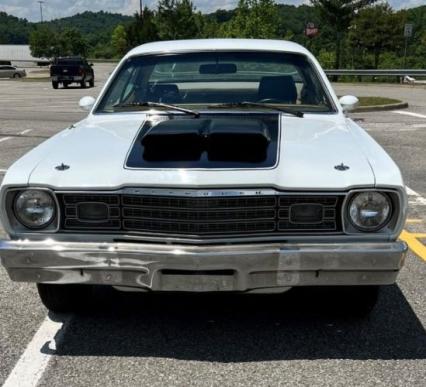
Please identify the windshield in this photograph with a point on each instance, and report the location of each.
(210, 79)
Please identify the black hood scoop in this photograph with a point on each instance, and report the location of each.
(211, 142)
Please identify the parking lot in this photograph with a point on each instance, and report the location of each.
(289, 339)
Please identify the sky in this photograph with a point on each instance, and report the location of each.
(54, 9)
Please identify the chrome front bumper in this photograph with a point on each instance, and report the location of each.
(203, 268)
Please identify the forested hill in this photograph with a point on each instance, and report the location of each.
(371, 37)
(13, 30)
(96, 27)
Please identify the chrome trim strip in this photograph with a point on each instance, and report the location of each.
(201, 192)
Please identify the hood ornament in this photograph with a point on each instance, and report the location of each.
(62, 167)
(341, 167)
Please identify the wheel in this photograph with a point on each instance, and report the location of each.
(92, 82)
(16, 76)
(83, 84)
(355, 301)
(54, 84)
(65, 85)
(65, 298)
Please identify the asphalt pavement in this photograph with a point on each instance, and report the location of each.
(290, 339)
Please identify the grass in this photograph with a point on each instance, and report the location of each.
(39, 79)
(376, 101)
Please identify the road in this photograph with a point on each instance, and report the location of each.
(240, 340)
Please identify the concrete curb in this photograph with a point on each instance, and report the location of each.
(377, 108)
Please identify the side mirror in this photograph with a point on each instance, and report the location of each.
(86, 103)
(348, 102)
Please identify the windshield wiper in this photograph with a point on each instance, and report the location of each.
(158, 104)
(259, 104)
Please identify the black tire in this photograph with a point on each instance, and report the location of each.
(65, 298)
(16, 76)
(92, 82)
(55, 85)
(83, 84)
(356, 301)
(66, 84)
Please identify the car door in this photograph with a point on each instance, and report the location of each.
(9, 71)
(3, 72)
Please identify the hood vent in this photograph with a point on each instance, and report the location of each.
(210, 142)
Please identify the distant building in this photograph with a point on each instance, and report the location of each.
(20, 55)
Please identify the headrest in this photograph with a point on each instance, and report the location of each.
(281, 88)
(167, 93)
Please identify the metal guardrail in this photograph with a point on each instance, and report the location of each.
(381, 72)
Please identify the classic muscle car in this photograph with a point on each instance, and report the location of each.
(207, 166)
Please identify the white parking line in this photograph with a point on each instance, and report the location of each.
(409, 113)
(20, 133)
(31, 365)
(416, 199)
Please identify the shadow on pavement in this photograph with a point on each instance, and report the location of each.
(242, 328)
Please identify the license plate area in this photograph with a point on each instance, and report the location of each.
(197, 281)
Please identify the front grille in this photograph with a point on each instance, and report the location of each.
(206, 216)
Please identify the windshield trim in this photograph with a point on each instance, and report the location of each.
(334, 110)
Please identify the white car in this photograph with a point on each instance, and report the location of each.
(207, 165)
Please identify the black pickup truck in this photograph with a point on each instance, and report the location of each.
(74, 69)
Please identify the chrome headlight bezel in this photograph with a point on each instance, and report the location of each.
(387, 211)
(45, 197)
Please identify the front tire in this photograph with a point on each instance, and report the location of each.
(356, 301)
(92, 82)
(16, 76)
(65, 298)
(83, 84)
(55, 84)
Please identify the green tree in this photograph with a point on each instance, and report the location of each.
(253, 19)
(177, 19)
(13, 30)
(43, 42)
(71, 42)
(339, 14)
(142, 29)
(119, 40)
(377, 29)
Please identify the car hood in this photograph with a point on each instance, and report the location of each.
(95, 150)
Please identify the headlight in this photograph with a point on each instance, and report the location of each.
(34, 208)
(370, 211)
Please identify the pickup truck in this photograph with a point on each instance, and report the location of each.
(67, 70)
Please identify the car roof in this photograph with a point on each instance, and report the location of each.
(218, 45)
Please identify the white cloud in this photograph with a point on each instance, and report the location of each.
(53, 9)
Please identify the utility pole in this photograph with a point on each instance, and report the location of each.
(141, 8)
(41, 2)
(408, 33)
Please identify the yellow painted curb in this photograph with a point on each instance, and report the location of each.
(414, 244)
